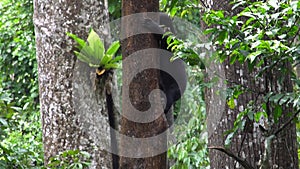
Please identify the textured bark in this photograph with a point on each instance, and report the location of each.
(249, 144)
(139, 91)
(73, 111)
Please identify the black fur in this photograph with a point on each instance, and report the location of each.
(113, 124)
(168, 84)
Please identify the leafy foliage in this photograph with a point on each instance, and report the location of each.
(265, 37)
(20, 129)
(190, 150)
(70, 159)
(186, 50)
(19, 70)
(186, 9)
(93, 53)
(114, 8)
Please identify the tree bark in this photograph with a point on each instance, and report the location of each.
(73, 110)
(249, 145)
(139, 89)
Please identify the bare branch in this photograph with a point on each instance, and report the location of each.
(286, 123)
(242, 161)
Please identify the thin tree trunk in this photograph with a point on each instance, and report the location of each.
(73, 112)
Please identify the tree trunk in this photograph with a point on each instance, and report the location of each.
(248, 145)
(136, 149)
(74, 115)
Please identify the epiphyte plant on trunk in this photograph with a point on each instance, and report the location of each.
(93, 52)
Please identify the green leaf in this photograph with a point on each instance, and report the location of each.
(90, 54)
(96, 45)
(249, 21)
(93, 51)
(244, 52)
(237, 93)
(252, 56)
(80, 42)
(116, 59)
(106, 59)
(210, 30)
(220, 14)
(248, 14)
(277, 113)
(231, 103)
(82, 57)
(113, 48)
(111, 8)
(228, 139)
(233, 59)
(111, 66)
(250, 115)
(264, 106)
(276, 98)
(255, 44)
(222, 36)
(259, 115)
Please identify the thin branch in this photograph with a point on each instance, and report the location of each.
(286, 123)
(203, 4)
(242, 161)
